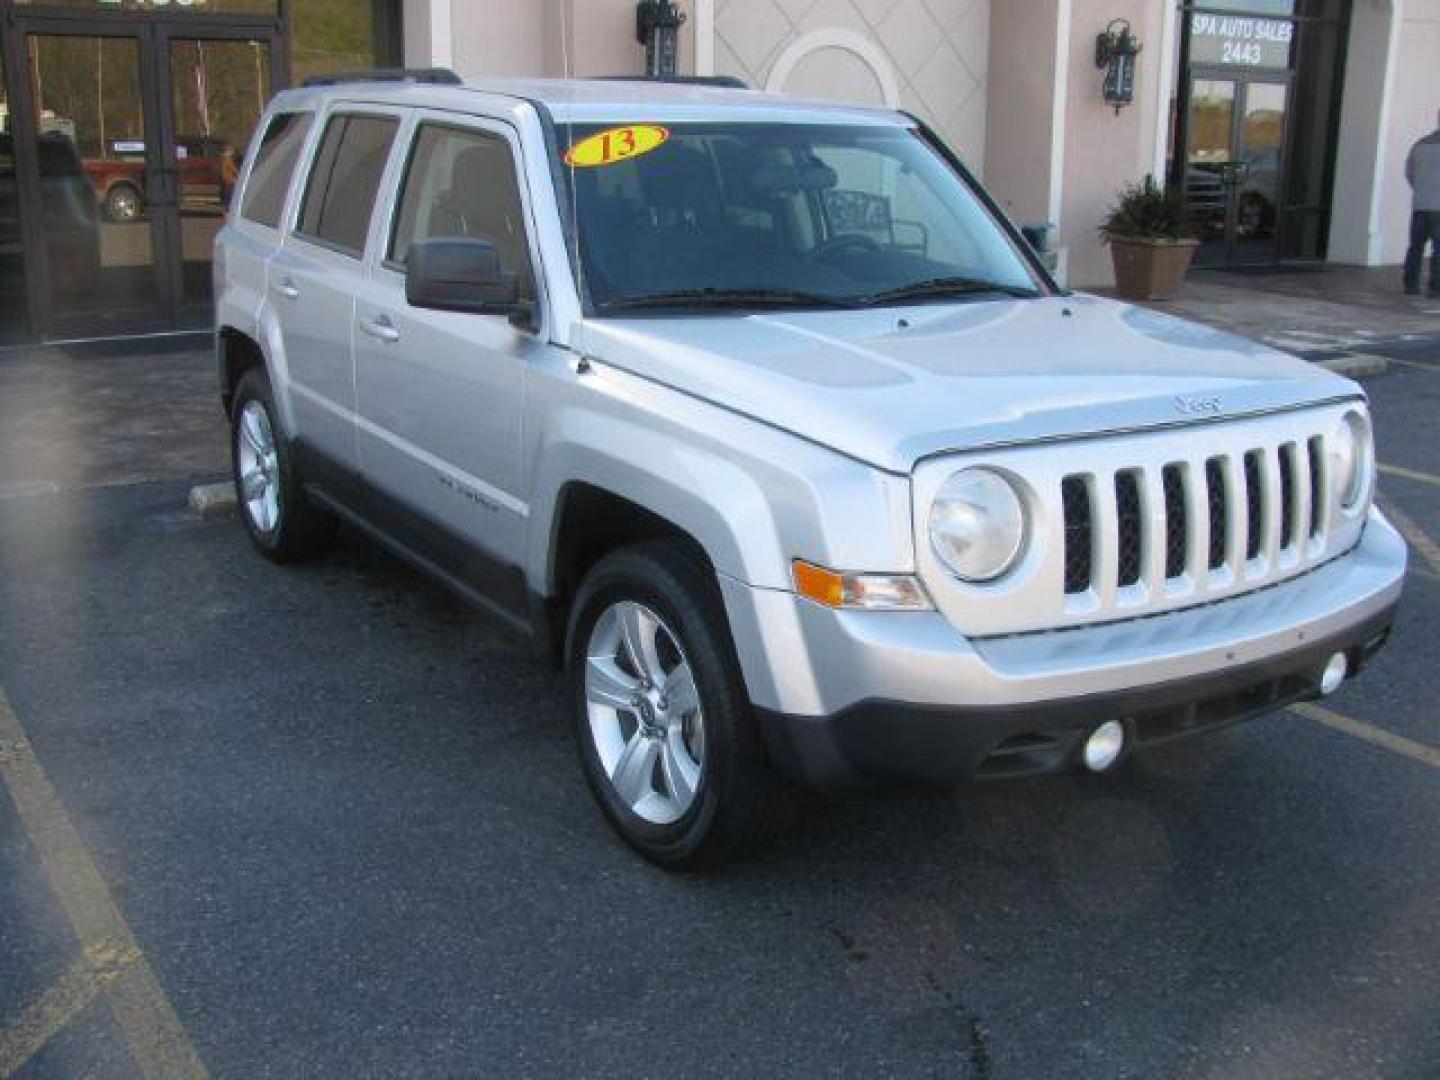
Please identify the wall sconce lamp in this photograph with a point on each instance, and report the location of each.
(657, 27)
(1115, 52)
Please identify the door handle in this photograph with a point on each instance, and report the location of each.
(287, 289)
(380, 328)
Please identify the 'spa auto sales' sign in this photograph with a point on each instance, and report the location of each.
(1236, 40)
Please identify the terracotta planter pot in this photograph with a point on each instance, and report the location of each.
(1150, 269)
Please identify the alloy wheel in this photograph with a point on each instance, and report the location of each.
(259, 468)
(644, 712)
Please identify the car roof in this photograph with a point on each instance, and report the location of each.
(582, 100)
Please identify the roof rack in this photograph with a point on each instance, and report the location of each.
(435, 76)
(723, 82)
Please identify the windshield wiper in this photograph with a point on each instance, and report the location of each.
(942, 287)
(726, 299)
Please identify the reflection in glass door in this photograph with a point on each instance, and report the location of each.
(218, 89)
(97, 182)
(13, 323)
(1260, 143)
(1234, 166)
(1208, 160)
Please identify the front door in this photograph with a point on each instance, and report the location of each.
(126, 145)
(1234, 166)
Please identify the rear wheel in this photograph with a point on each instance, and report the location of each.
(282, 522)
(667, 738)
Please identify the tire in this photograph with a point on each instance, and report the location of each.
(739, 802)
(269, 493)
(124, 203)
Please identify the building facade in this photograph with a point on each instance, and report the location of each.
(1285, 122)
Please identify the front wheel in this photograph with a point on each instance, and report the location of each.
(667, 738)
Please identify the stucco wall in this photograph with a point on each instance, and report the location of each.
(930, 57)
(1415, 99)
(1020, 116)
(1104, 151)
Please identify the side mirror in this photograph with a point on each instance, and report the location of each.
(459, 274)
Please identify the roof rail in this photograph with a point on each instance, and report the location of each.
(723, 82)
(435, 76)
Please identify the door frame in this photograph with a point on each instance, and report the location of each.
(153, 34)
(1243, 78)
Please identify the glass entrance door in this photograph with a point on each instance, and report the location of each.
(97, 173)
(218, 89)
(137, 135)
(1234, 166)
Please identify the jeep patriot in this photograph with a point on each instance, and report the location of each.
(764, 417)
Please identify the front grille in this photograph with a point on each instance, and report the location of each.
(1217, 498)
(1075, 495)
(1175, 522)
(1132, 529)
(1137, 523)
(1268, 492)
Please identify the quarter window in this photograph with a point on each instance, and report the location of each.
(462, 183)
(274, 166)
(344, 180)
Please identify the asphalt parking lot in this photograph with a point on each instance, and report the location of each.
(325, 821)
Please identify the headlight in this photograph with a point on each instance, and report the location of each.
(1351, 454)
(977, 524)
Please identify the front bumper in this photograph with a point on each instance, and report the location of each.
(905, 694)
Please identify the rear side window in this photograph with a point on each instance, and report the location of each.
(340, 194)
(462, 183)
(274, 166)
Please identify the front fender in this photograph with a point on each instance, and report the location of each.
(751, 496)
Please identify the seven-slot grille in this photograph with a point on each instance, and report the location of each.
(1216, 517)
(1130, 524)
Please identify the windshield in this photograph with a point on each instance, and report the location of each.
(775, 214)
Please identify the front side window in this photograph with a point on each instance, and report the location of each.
(461, 183)
(772, 214)
(274, 166)
(340, 194)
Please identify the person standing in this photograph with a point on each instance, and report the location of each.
(1422, 169)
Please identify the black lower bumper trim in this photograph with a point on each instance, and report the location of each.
(888, 738)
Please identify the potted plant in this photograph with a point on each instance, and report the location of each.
(1151, 241)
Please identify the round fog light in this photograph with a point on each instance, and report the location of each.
(1336, 668)
(1104, 745)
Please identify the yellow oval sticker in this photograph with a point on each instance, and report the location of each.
(617, 144)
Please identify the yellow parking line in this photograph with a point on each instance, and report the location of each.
(1426, 548)
(144, 1013)
(1416, 751)
(1410, 474)
(67, 999)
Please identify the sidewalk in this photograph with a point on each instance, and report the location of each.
(1311, 312)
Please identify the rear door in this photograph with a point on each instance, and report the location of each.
(314, 277)
(441, 394)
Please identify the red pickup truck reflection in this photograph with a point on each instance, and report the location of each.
(208, 171)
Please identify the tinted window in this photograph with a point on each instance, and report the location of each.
(462, 183)
(274, 165)
(345, 179)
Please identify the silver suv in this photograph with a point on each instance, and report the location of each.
(763, 416)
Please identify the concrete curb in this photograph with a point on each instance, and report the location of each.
(1356, 365)
(213, 500)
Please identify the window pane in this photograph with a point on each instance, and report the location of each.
(199, 7)
(274, 165)
(462, 184)
(346, 177)
(329, 36)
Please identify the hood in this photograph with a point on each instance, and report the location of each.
(892, 386)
